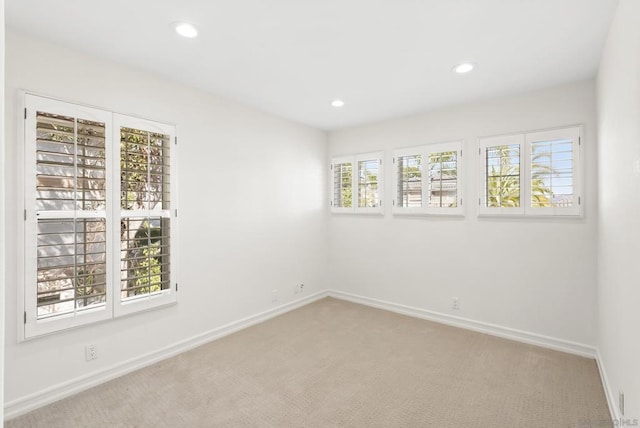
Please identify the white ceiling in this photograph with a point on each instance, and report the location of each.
(385, 58)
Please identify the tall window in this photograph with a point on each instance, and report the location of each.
(427, 179)
(535, 173)
(356, 183)
(76, 169)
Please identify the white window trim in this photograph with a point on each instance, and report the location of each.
(524, 140)
(354, 160)
(425, 151)
(28, 326)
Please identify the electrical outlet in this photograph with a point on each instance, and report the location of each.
(301, 288)
(274, 296)
(621, 402)
(90, 352)
(455, 303)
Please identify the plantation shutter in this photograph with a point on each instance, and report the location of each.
(356, 184)
(501, 167)
(427, 179)
(145, 263)
(409, 181)
(368, 183)
(99, 215)
(553, 162)
(369, 190)
(67, 206)
(444, 163)
(342, 184)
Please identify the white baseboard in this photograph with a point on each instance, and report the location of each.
(46, 396)
(469, 324)
(613, 408)
(41, 398)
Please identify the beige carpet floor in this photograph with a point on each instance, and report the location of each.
(338, 364)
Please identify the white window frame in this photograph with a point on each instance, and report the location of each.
(29, 326)
(355, 168)
(525, 140)
(425, 151)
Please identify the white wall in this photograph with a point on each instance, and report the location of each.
(2, 236)
(535, 275)
(619, 207)
(253, 212)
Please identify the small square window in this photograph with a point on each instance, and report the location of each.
(428, 179)
(357, 184)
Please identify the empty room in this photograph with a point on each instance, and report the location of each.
(305, 213)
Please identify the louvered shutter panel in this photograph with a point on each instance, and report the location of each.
(427, 179)
(409, 181)
(443, 180)
(342, 184)
(501, 169)
(66, 208)
(70, 179)
(444, 163)
(503, 176)
(368, 184)
(146, 212)
(552, 179)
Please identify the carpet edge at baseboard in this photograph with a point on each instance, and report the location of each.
(62, 390)
(548, 342)
(611, 402)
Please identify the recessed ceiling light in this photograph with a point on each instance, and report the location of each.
(463, 68)
(186, 30)
(337, 103)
